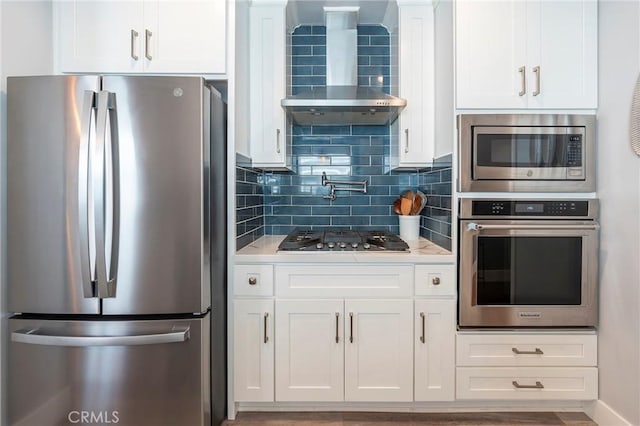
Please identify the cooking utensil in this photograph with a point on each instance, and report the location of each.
(408, 194)
(415, 206)
(423, 201)
(405, 205)
(396, 206)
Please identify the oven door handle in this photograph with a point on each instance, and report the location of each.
(478, 228)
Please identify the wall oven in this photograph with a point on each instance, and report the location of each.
(528, 263)
(526, 152)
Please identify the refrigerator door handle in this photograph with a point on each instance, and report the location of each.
(113, 200)
(32, 337)
(85, 207)
(103, 197)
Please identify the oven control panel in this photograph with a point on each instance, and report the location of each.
(530, 208)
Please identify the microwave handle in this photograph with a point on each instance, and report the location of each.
(477, 227)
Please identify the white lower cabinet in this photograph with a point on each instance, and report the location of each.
(253, 349)
(309, 350)
(526, 366)
(378, 350)
(539, 383)
(335, 350)
(434, 340)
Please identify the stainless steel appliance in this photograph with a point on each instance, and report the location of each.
(526, 152)
(342, 101)
(336, 240)
(111, 278)
(528, 263)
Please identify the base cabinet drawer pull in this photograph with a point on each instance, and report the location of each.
(253, 280)
(538, 385)
(266, 337)
(350, 327)
(537, 351)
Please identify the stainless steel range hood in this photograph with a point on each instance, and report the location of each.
(342, 101)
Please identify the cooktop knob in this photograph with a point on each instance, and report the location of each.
(343, 244)
(319, 246)
(331, 245)
(366, 245)
(354, 245)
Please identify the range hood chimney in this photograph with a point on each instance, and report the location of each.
(342, 102)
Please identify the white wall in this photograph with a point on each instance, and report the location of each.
(618, 188)
(25, 49)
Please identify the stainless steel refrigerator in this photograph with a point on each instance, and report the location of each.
(115, 250)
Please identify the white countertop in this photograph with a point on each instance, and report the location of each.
(265, 250)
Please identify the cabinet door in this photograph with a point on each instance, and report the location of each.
(309, 350)
(435, 333)
(267, 73)
(100, 36)
(562, 50)
(253, 350)
(186, 36)
(490, 54)
(416, 85)
(378, 350)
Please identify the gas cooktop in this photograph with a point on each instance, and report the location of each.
(342, 240)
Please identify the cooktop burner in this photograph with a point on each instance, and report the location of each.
(342, 240)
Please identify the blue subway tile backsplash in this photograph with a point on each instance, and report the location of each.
(289, 200)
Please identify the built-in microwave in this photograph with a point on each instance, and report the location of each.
(526, 153)
(528, 263)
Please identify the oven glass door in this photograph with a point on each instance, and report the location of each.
(528, 273)
(529, 153)
(529, 270)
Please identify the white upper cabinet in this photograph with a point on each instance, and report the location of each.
(416, 70)
(526, 54)
(142, 36)
(267, 85)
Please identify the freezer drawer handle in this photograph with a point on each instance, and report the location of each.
(30, 337)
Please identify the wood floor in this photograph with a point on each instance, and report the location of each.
(410, 419)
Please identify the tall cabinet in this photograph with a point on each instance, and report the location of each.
(267, 85)
(526, 54)
(413, 135)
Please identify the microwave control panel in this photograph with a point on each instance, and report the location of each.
(530, 208)
(574, 151)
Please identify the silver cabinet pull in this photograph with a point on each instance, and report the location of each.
(435, 281)
(134, 36)
(351, 327)
(406, 141)
(266, 337)
(423, 338)
(253, 280)
(538, 385)
(536, 71)
(337, 326)
(516, 351)
(147, 44)
(278, 141)
(523, 81)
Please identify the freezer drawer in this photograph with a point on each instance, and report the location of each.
(123, 372)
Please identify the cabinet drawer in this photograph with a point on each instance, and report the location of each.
(526, 350)
(331, 280)
(253, 280)
(562, 383)
(435, 280)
